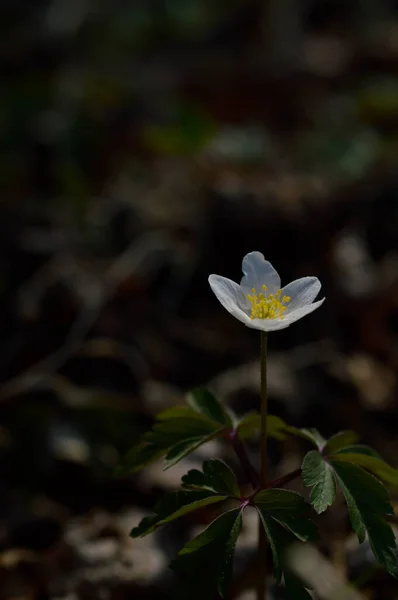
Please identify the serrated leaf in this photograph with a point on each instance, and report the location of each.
(289, 509)
(369, 490)
(207, 560)
(280, 539)
(172, 506)
(216, 476)
(377, 466)
(206, 404)
(340, 441)
(318, 475)
(368, 501)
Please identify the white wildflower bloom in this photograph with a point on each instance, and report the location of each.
(259, 301)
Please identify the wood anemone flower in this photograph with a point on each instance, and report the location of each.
(259, 301)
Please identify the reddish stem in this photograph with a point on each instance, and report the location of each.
(244, 460)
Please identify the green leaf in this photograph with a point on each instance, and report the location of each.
(278, 429)
(216, 476)
(177, 432)
(340, 441)
(182, 449)
(206, 404)
(359, 449)
(171, 431)
(318, 475)
(377, 466)
(280, 539)
(289, 509)
(368, 501)
(280, 500)
(311, 435)
(207, 560)
(179, 412)
(249, 425)
(172, 506)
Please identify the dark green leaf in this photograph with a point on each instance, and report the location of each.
(251, 423)
(318, 475)
(182, 449)
(339, 441)
(311, 435)
(277, 537)
(359, 449)
(364, 486)
(179, 412)
(376, 466)
(177, 432)
(172, 506)
(205, 403)
(171, 431)
(368, 501)
(216, 476)
(280, 500)
(288, 508)
(280, 540)
(278, 429)
(207, 560)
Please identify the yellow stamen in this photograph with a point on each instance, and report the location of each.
(263, 307)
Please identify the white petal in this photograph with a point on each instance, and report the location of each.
(267, 324)
(258, 272)
(230, 295)
(301, 292)
(302, 312)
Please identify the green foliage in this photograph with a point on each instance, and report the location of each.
(280, 539)
(175, 505)
(206, 404)
(206, 562)
(284, 514)
(178, 431)
(276, 428)
(287, 508)
(216, 477)
(249, 425)
(318, 474)
(375, 465)
(340, 440)
(368, 501)
(367, 498)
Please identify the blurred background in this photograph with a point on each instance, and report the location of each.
(144, 145)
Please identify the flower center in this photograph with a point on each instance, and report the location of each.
(267, 307)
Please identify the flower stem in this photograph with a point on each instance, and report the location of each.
(262, 541)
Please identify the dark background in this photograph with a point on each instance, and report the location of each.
(144, 145)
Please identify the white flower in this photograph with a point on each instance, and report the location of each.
(259, 302)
